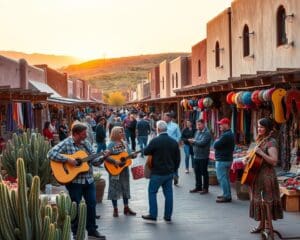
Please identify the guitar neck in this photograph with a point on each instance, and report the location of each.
(92, 157)
(130, 155)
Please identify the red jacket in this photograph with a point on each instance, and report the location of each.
(48, 134)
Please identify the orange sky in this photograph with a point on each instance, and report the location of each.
(105, 28)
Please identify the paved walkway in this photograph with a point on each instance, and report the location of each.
(195, 216)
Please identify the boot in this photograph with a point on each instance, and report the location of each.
(116, 213)
(129, 212)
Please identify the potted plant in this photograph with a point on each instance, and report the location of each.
(100, 186)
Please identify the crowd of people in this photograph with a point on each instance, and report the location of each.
(161, 138)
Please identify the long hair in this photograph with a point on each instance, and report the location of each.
(115, 133)
(46, 125)
(267, 123)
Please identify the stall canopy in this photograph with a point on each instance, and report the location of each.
(55, 96)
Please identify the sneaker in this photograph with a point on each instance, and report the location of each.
(148, 217)
(167, 219)
(195, 190)
(97, 235)
(187, 171)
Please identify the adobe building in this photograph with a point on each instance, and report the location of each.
(219, 47)
(164, 74)
(153, 76)
(179, 74)
(199, 65)
(265, 35)
(56, 80)
(21, 105)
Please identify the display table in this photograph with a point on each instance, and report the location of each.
(50, 197)
(290, 199)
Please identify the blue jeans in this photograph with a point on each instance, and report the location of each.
(143, 143)
(127, 135)
(164, 181)
(88, 192)
(101, 147)
(222, 170)
(187, 152)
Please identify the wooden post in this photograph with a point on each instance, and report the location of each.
(178, 112)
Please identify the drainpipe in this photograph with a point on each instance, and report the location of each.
(230, 42)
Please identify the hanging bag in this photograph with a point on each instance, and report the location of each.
(137, 170)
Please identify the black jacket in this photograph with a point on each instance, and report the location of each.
(143, 128)
(224, 146)
(100, 133)
(165, 154)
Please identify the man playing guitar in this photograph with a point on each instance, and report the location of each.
(83, 185)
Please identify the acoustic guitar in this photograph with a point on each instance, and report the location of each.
(253, 165)
(65, 172)
(115, 164)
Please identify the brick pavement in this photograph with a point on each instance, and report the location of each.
(195, 216)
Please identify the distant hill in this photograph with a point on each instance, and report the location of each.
(118, 73)
(53, 61)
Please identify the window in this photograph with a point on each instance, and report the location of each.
(246, 41)
(281, 27)
(172, 80)
(163, 82)
(217, 54)
(199, 68)
(176, 80)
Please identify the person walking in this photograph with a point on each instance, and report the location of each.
(101, 135)
(201, 147)
(174, 132)
(224, 147)
(132, 131)
(188, 133)
(126, 124)
(165, 162)
(143, 131)
(83, 186)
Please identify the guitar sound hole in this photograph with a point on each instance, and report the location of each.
(78, 162)
(122, 159)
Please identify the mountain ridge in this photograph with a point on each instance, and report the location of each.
(52, 60)
(120, 73)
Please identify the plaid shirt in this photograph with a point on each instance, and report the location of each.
(68, 146)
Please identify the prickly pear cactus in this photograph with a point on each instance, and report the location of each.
(32, 148)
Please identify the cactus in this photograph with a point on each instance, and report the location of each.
(34, 208)
(23, 213)
(67, 229)
(65, 208)
(24, 216)
(80, 234)
(33, 148)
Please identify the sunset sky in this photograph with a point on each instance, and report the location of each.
(92, 29)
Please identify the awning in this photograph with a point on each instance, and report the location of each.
(55, 97)
(43, 87)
